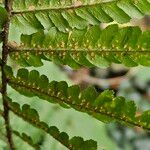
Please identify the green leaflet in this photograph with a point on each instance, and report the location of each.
(145, 117)
(88, 47)
(75, 14)
(27, 139)
(31, 116)
(3, 18)
(102, 106)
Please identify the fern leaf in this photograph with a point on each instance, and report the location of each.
(27, 139)
(104, 106)
(31, 116)
(76, 14)
(3, 18)
(88, 47)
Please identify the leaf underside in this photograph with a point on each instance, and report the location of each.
(68, 32)
(105, 106)
(39, 14)
(31, 116)
(27, 139)
(89, 47)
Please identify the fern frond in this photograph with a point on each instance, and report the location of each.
(89, 47)
(3, 17)
(27, 139)
(76, 14)
(31, 116)
(104, 107)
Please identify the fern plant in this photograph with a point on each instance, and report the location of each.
(68, 32)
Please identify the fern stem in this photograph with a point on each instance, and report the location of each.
(18, 48)
(96, 51)
(5, 49)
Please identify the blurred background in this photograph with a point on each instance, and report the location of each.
(132, 83)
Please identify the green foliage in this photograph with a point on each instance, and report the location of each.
(31, 115)
(68, 33)
(75, 13)
(3, 17)
(88, 47)
(27, 139)
(104, 107)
